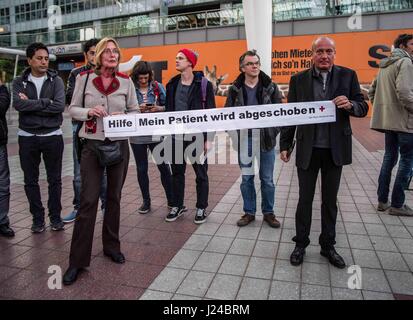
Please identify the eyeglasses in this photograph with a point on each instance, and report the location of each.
(92, 53)
(250, 64)
(111, 51)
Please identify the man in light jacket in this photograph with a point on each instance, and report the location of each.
(392, 96)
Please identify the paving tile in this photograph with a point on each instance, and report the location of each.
(219, 244)
(313, 292)
(242, 247)
(156, 295)
(184, 259)
(346, 294)
(399, 232)
(216, 217)
(374, 280)
(376, 230)
(207, 228)
(400, 282)
(209, 262)
(315, 273)
(224, 287)
(260, 268)
(197, 242)
(270, 234)
(185, 297)
(359, 242)
(285, 250)
(392, 261)
(355, 228)
(409, 260)
(234, 265)
(383, 244)
(286, 272)
(254, 289)
(366, 258)
(404, 245)
(227, 231)
(281, 290)
(196, 283)
(265, 249)
(374, 295)
(168, 280)
(249, 233)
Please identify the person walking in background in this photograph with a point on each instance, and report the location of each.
(392, 96)
(151, 98)
(39, 97)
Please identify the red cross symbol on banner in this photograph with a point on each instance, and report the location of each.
(322, 108)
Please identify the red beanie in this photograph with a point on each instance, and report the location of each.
(191, 55)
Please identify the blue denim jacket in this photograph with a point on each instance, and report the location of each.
(151, 99)
(151, 94)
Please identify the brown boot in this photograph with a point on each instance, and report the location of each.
(271, 220)
(245, 219)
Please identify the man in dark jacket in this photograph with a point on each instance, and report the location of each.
(5, 229)
(89, 53)
(39, 97)
(185, 92)
(254, 87)
(324, 146)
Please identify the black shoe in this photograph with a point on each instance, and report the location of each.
(297, 256)
(57, 226)
(6, 231)
(70, 275)
(145, 207)
(333, 257)
(200, 216)
(116, 257)
(175, 213)
(38, 228)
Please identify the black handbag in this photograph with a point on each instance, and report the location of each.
(108, 152)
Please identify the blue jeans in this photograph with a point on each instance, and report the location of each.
(140, 153)
(396, 142)
(266, 171)
(76, 176)
(4, 186)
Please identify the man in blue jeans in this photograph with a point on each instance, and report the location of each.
(392, 96)
(89, 53)
(253, 87)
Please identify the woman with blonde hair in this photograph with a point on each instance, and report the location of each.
(98, 94)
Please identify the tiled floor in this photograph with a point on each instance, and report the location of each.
(218, 260)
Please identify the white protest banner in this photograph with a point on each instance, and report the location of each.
(222, 119)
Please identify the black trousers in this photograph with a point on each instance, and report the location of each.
(178, 167)
(91, 176)
(330, 183)
(30, 151)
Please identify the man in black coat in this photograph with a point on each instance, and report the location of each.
(322, 146)
(5, 229)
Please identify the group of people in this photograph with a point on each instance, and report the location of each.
(98, 90)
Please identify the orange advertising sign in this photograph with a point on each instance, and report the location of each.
(360, 51)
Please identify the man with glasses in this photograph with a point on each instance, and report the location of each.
(253, 87)
(322, 146)
(89, 53)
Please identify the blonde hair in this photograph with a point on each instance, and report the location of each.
(100, 48)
